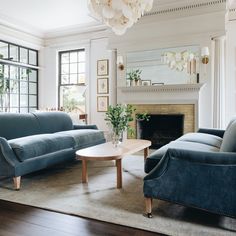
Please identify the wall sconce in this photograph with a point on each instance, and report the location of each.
(120, 62)
(205, 55)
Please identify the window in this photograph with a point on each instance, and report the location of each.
(72, 81)
(18, 78)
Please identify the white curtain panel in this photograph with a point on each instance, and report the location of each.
(219, 83)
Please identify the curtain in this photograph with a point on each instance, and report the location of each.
(219, 83)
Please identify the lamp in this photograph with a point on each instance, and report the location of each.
(205, 55)
(120, 62)
(119, 14)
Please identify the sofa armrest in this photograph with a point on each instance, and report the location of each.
(205, 180)
(217, 132)
(8, 160)
(85, 127)
(197, 157)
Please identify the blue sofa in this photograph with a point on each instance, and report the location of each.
(197, 170)
(34, 141)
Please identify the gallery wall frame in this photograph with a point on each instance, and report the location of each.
(103, 67)
(102, 103)
(103, 85)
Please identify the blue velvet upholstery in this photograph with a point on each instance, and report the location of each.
(191, 141)
(51, 122)
(203, 177)
(30, 142)
(41, 144)
(13, 125)
(85, 137)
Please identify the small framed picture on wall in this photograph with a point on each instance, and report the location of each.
(102, 67)
(102, 103)
(102, 85)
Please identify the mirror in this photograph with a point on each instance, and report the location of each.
(179, 65)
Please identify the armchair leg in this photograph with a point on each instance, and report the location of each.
(16, 181)
(148, 207)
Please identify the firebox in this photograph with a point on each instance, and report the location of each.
(161, 128)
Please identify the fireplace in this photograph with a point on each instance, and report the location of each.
(161, 128)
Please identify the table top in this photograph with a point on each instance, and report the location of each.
(107, 151)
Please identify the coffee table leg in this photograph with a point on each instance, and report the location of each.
(84, 172)
(119, 173)
(146, 153)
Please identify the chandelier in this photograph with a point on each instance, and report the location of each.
(119, 14)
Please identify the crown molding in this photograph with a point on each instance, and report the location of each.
(185, 7)
(231, 14)
(76, 29)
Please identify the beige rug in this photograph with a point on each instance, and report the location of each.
(60, 189)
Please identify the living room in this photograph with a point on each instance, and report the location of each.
(64, 55)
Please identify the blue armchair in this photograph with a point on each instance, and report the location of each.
(197, 170)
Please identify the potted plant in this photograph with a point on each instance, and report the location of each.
(134, 75)
(118, 117)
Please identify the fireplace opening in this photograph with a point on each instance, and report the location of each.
(160, 129)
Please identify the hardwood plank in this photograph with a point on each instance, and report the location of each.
(17, 219)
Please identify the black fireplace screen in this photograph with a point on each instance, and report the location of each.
(161, 128)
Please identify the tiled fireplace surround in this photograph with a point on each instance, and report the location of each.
(165, 99)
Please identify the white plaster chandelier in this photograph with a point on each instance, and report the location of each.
(119, 14)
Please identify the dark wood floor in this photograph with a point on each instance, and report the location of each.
(17, 219)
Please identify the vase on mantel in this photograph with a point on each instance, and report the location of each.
(135, 82)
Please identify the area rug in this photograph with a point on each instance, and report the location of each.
(60, 189)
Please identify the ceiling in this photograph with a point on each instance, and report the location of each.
(42, 17)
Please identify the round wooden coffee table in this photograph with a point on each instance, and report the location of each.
(107, 152)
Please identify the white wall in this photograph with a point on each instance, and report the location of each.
(96, 49)
(99, 51)
(230, 70)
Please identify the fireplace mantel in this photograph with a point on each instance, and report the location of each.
(162, 94)
(170, 88)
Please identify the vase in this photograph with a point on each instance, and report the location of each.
(117, 138)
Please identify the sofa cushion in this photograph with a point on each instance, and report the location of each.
(38, 145)
(203, 138)
(156, 156)
(15, 125)
(229, 139)
(85, 137)
(51, 122)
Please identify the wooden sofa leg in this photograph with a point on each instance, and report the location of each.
(148, 207)
(16, 181)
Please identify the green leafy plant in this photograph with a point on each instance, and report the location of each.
(142, 116)
(119, 117)
(134, 75)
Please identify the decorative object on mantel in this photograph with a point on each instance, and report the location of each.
(146, 82)
(157, 84)
(181, 61)
(118, 118)
(134, 76)
(119, 14)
